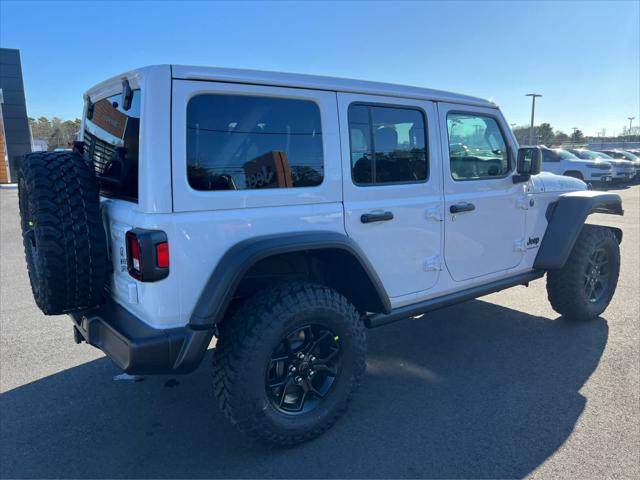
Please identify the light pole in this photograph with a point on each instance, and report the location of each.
(533, 111)
(630, 122)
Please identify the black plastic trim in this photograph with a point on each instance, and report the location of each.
(148, 240)
(566, 216)
(224, 280)
(136, 347)
(376, 217)
(401, 313)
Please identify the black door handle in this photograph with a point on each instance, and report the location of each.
(462, 207)
(376, 217)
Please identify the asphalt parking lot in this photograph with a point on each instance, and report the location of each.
(496, 387)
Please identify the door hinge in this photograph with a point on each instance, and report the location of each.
(519, 246)
(434, 213)
(432, 264)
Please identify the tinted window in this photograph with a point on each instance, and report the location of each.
(548, 156)
(111, 139)
(477, 149)
(388, 145)
(238, 142)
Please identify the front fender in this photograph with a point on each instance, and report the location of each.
(565, 217)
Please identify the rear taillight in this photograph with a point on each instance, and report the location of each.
(162, 255)
(147, 254)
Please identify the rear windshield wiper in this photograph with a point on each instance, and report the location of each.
(127, 95)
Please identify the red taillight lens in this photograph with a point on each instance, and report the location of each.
(162, 255)
(133, 254)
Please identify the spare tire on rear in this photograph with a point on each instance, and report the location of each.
(63, 235)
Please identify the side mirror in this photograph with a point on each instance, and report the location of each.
(528, 163)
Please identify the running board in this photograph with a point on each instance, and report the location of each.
(378, 319)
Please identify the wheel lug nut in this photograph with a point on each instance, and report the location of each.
(300, 355)
(298, 379)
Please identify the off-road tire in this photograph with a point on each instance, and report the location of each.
(63, 235)
(566, 286)
(247, 341)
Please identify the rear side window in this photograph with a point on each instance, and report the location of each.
(111, 140)
(241, 142)
(388, 145)
(477, 149)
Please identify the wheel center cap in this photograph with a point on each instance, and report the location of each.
(304, 367)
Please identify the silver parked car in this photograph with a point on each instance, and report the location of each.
(623, 170)
(627, 156)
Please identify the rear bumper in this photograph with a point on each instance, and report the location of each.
(138, 348)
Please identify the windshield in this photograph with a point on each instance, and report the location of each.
(629, 156)
(587, 154)
(111, 138)
(564, 155)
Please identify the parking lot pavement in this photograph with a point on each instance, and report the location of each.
(497, 387)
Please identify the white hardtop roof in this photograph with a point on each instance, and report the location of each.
(293, 80)
(317, 82)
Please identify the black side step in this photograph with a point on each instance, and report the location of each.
(378, 319)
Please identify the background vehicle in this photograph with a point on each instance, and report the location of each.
(564, 162)
(284, 214)
(622, 169)
(627, 156)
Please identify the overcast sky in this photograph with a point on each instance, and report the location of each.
(584, 57)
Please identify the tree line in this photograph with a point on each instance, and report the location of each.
(57, 133)
(546, 135)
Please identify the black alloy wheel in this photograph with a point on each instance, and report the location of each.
(303, 369)
(596, 277)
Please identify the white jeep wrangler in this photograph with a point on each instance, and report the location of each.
(285, 214)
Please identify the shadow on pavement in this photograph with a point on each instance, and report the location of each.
(476, 390)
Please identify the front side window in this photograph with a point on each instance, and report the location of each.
(477, 149)
(388, 145)
(242, 142)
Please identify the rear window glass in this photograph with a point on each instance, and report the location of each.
(242, 142)
(388, 145)
(111, 140)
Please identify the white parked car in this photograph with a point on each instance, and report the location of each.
(286, 214)
(565, 162)
(626, 156)
(623, 170)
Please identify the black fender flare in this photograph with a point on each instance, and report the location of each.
(565, 218)
(228, 273)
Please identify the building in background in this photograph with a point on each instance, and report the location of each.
(4, 159)
(16, 136)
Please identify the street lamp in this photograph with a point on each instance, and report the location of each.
(630, 122)
(533, 111)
